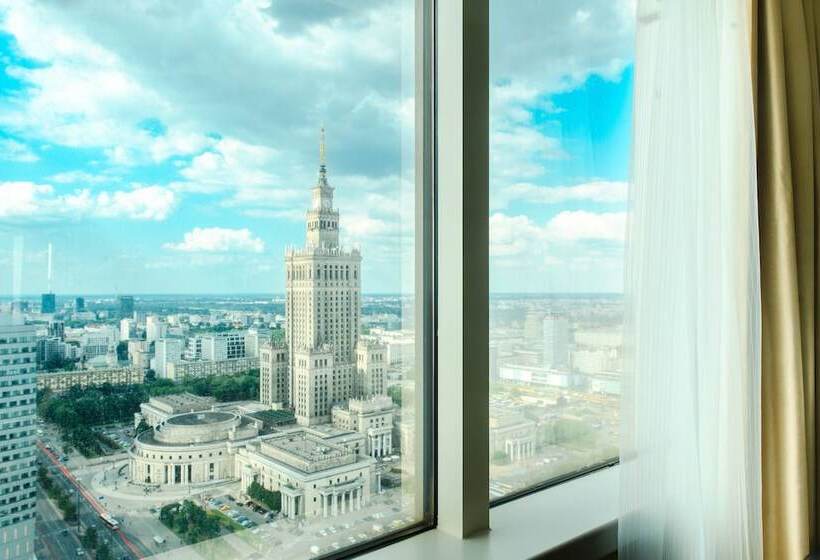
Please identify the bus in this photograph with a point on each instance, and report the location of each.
(109, 520)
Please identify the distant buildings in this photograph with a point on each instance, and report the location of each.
(556, 341)
(223, 346)
(128, 329)
(48, 303)
(79, 304)
(18, 476)
(126, 306)
(512, 434)
(155, 328)
(166, 351)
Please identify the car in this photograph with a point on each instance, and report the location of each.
(224, 508)
(361, 536)
(80, 552)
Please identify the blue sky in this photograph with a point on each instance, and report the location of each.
(170, 150)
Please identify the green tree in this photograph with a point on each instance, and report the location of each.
(89, 539)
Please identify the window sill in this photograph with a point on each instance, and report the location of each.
(526, 527)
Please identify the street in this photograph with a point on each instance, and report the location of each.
(89, 515)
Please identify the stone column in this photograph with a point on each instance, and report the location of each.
(324, 505)
(335, 505)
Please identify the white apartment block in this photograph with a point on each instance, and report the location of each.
(128, 329)
(556, 341)
(155, 328)
(166, 351)
(254, 339)
(18, 475)
(223, 346)
(59, 382)
(203, 368)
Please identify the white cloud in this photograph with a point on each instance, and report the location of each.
(23, 199)
(12, 150)
(513, 235)
(77, 176)
(218, 240)
(583, 225)
(593, 191)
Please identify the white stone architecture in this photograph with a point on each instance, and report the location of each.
(191, 448)
(158, 409)
(274, 381)
(512, 434)
(372, 417)
(18, 477)
(327, 364)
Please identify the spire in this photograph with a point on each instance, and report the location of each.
(322, 157)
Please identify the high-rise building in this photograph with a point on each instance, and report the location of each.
(128, 329)
(556, 341)
(155, 328)
(18, 478)
(126, 306)
(79, 304)
(166, 351)
(223, 346)
(322, 303)
(48, 303)
(56, 329)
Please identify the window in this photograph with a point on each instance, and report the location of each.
(560, 98)
(187, 189)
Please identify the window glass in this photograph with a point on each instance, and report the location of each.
(207, 282)
(561, 79)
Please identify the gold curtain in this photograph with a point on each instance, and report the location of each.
(785, 35)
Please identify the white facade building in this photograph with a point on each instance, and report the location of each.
(166, 351)
(223, 346)
(155, 328)
(556, 341)
(372, 417)
(18, 477)
(128, 329)
(322, 305)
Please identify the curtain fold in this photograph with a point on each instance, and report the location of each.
(788, 161)
(690, 406)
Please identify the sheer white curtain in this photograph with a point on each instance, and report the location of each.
(690, 455)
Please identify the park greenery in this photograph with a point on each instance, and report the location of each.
(78, 410)
(57, 495)
(192, 524)
(267, 498)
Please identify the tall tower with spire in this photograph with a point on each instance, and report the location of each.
(322, 308)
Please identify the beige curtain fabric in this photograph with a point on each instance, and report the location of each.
(788, 151)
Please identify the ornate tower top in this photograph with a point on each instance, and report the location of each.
(322, 218)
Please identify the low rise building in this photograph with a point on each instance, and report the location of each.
(203, 368)
(61, 381)
(512, 434)
(159, 409)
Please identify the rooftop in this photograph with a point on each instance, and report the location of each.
(199, 418)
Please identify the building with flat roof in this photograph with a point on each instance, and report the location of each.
(18, 477)
(62, 381)
(159, 409)
(319, 471)
(204, 368)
